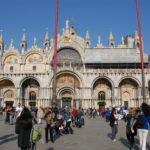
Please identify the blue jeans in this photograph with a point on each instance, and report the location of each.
(10, 119)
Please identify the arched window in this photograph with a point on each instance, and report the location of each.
(138, 45)
(101, 95)
(34, 68)
(32, 95)
(11, 68)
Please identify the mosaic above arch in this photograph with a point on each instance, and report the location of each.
(11, 59)
(34, 58)
(66, 79)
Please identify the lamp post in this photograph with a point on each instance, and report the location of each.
(54, 100)
(141, 51)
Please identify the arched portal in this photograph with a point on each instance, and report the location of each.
(7, 92)
(102, 91)
(68, 87)
(128, 90)
(66, 98)
(30, 92)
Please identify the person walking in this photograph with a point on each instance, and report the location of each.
(107, 114)
(23, 129)
(94, 112)
(48, 127)
(74, 115)
(11, 115)
(130, 119)
(40, 115)
(142, 122)
(18, 111)
(114, 124)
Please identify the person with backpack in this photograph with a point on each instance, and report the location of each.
(23, 129)
(130, 119)
(142, 123)
(49, 127)
(114, 123)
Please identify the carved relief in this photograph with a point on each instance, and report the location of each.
(66, 94)
(12, 59)
(126, 96)
(34, 58)
(9, 94)
(66, 80)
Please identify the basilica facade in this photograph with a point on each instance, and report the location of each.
(86, 76)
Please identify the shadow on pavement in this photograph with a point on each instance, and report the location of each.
(6, 136)
(126, 143)
(109, 135)
(56, 137)
(147, 144)
(8, 140)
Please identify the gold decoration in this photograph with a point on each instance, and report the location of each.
(66, 38)
(11, 59)
(67, 80)
(34, 58)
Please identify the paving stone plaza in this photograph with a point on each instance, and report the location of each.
(95, 135)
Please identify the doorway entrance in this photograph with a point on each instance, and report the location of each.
(66, 101)
(9, 103)
(126, 104)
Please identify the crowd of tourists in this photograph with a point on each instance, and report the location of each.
(137, 122)
(55, 121)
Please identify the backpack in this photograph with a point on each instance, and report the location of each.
(140, 122)
(36, 133)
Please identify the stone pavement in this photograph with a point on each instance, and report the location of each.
(95, 135)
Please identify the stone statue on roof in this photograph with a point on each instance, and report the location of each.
(67, 24)
(34, 40)
(11, 44)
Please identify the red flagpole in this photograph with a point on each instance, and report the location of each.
(141, 49)
(56, 33)
(54, 100)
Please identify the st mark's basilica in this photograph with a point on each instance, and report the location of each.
(86, 75)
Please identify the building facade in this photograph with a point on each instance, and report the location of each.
(85, 76)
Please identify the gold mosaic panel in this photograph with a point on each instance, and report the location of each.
(34, 58)
(11, 59)
(67, 80)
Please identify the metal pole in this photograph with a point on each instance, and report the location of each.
(54, 100)
(141, 51)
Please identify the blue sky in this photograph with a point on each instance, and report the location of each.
(98, 16)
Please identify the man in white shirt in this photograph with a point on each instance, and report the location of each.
(18, 111)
